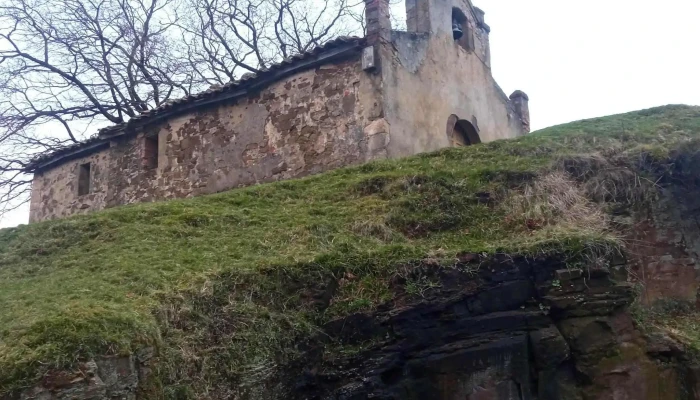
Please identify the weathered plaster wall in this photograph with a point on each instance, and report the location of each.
(314, 121)
(55, 191)
(427, 77)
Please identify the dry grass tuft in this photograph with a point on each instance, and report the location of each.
(555, 200)
(608, 177)
(376, 228)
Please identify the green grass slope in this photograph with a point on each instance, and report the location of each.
(116, 281)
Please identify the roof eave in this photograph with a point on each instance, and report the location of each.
(68, 155)
(269, 77)
(283, 70)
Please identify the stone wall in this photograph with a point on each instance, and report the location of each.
(311, 122)
(55, 191)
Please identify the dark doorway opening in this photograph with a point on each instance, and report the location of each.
(461, 132)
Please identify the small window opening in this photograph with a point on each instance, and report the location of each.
(461, 32)
(150, 151)
(84, 179)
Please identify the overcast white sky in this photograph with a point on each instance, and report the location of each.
(586, 59)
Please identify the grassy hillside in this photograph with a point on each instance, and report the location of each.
(116, 281)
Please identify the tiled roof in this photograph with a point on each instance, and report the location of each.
(247, 82)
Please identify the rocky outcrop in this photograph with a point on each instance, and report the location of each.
(507, 330)
(501, 329)
(664, 247)
(107, 378)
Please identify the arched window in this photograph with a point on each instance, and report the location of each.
(461, 132)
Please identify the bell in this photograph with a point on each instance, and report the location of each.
(457, 30)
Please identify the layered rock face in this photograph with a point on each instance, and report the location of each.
(506, 330)
(496, 329)
(116, 377)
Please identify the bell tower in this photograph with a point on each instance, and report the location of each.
(458, 20)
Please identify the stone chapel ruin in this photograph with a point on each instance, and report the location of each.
(389, 94)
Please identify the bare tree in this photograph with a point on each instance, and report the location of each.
(225, 38)
(66, 65)
(69, 67)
